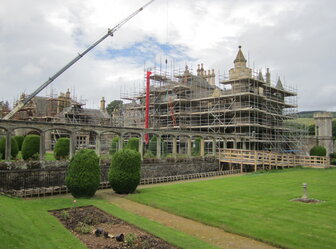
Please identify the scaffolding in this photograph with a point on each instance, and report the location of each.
(242, 104)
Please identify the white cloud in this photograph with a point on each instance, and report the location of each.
(39, 37)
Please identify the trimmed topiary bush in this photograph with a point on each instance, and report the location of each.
(114, 145)
(152, 145)
(83, 174)
(196, 147)
(14, 148)
(133, 144)
(19, 141)
(30, 147)
(124, 173)
(318, 151)
(62, 148)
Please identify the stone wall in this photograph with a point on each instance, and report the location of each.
(165, 168)
(149, 169)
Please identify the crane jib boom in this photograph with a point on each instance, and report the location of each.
(73, 61)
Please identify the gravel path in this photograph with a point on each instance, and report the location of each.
(212, 235)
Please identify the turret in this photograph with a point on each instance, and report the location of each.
(240, 70)
(279, 84)
(102, 104)
(268, 76)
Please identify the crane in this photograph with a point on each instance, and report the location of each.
(109, 32)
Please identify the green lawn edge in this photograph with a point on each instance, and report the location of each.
(28, 224)
(238, 209)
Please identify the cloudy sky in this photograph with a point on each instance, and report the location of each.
(294, 38)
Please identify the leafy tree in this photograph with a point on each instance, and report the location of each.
(30, 147)
(113, 105)
(133, 144)
(124, 173)
(14, 148)
(318, 151)
(311, 130)
(62, 148)
(83, 174)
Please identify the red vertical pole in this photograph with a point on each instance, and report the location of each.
(147, 104)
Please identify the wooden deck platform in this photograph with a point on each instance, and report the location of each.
(270, 160)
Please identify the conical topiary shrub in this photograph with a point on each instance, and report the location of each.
(83, 174)
(31, 147)
(14, 147)
(124, 173)
(62, 148)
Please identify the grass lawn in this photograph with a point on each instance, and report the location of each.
(258, 205)
(48, 156)
(27, 224)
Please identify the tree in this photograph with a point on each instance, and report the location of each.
(19, 141)
(152, 145)
(62, 148)
(311, 130)
(83, 174)
(133, 144)
(114, 105)
(30, 147)
(14, 147)
(124, 173)
(196, 147)
(114, 145)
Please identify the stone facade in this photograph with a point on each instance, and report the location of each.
(323, 130)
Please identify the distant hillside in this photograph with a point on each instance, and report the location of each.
(310, 114)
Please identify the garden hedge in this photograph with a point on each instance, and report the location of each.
(318, 151)
(19, 141)
(62, 148)
(31, 147)
(14, 148)
(133, 144)
(114, 145)
(83, 174)
(124, 173)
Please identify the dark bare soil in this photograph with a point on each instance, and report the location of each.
(84, 221)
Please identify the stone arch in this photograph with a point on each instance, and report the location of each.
(53, 134)
(151, 150)
(106, 137)
(26, 130)
(3, 128)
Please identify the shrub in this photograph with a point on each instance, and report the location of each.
(318, 151)
(196, 147)
(149, 154)
(152, 145)
(114, 145)
(61, 150)
(133, 144)
(124, 173)
(30, 147)
(14, 148)
(19, 141)
(311, 130)
(83, 174)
